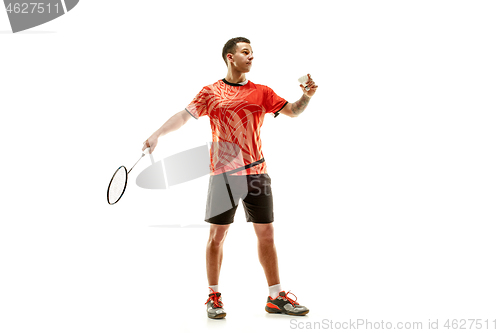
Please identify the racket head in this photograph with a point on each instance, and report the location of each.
(117, 185)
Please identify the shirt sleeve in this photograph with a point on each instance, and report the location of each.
(273, 103)
(199, 105)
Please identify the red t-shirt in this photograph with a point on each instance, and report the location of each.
(236, 114)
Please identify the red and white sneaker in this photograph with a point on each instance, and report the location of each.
(285, 305)
(215, 308)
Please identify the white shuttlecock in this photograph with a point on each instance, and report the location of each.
(303, 80)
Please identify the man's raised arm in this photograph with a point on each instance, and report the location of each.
(294, 109)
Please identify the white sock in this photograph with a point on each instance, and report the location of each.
(274, 291)
(215, 288)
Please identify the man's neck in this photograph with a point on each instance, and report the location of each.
(235, 77)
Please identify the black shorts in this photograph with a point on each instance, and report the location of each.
(224, 193)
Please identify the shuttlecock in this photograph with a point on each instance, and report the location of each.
(303, 80)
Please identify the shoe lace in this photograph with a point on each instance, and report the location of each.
(292, 301)
(216, 299)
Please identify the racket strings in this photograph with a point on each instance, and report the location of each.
(117, 185)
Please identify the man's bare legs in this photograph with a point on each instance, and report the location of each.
(269, 260)
(266, 249)
(214, 252)
(268, 256)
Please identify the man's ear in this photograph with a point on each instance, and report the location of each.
(229, 57)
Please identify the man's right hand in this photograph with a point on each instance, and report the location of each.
(151, 143)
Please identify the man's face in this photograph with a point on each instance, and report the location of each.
(243, 57)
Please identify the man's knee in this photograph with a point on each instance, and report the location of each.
(264, 232)
(218, 234)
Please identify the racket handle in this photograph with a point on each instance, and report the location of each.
(146, 152)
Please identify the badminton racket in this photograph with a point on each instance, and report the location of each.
(118, 182)
(303, 80)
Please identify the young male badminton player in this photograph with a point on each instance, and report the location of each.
(236, 108)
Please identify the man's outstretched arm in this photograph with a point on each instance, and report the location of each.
(295, 109)
(174, 123)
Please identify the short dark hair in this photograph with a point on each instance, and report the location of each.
(230, 46)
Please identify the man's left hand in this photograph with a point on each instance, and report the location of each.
(312, 87)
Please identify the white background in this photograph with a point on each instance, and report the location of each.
(386, 189)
